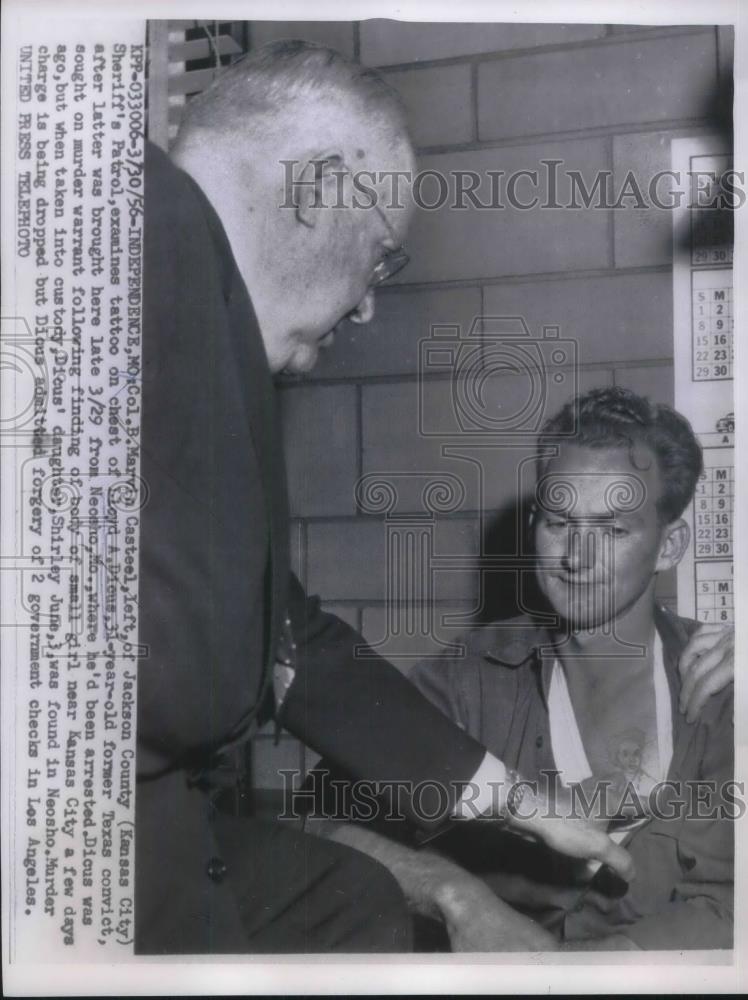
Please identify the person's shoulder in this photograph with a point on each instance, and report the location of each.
(506, 644)
(156, 160)
(509, 643)
(674, 629)
(163, 177)
(172, 198)
(183, 230)
(481, 676)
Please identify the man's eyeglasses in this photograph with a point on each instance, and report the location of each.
(393, 260)
(388, 266)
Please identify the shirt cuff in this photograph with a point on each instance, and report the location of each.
(485, 793)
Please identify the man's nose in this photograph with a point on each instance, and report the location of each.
(581, 550)
(364, 311)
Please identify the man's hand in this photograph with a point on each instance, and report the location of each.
(477, 920)
(436, 887)
(561, 828)
(706, 665)
(533, 895)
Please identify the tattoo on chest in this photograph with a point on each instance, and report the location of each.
(626, 754)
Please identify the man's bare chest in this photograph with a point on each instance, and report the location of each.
(616, 714)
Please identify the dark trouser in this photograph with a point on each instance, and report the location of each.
(301, 894)
(207, 882)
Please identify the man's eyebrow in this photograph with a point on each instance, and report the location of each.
(604, 517)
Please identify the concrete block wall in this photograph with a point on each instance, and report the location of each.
(492, 97)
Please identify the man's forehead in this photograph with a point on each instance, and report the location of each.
(389, 147)
(588, 481)
(588, 462)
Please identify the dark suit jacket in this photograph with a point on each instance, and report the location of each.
(214, 588)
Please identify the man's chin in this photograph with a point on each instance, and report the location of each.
(302, 360)
(577, 612)
(305, 356)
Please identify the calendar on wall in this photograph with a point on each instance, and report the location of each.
(703, 332)
(714, 593)
(711, 309)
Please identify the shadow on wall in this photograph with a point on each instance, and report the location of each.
(511, 592)
(718, 109)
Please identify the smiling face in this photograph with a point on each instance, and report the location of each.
(598, 538)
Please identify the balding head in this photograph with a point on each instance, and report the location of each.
(297, 110)
(288, 83)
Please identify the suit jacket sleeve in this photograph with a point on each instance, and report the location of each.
(363, 715)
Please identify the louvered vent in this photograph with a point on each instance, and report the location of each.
(184, 58)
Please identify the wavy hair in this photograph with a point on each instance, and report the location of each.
(614, 417)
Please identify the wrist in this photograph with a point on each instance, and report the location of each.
(457, 897)
(521, 801)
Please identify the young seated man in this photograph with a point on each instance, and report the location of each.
(594, 696)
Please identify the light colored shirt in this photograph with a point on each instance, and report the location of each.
(484, 793)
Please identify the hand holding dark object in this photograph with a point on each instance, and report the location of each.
(706, 666)
(435, 887)
(531, 894)
(560, 826)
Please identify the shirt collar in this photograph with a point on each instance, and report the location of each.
(517, 642)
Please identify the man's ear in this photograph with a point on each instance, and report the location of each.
(675, 539)
(318, 185)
